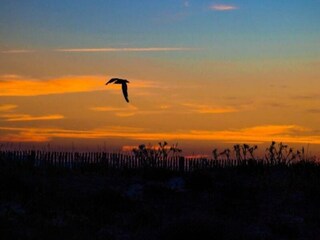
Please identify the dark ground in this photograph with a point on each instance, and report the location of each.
(277, 202)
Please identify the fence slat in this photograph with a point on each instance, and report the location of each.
(105, 161)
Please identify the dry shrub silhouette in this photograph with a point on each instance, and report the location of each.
(281, 154)
(150, 154)
(240, 151)
(276, 153)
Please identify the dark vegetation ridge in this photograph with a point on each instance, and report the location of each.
(276, 198)
(162, 156)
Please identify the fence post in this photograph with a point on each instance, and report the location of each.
(181, 164)
(32, 158)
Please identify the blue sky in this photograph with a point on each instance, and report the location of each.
(253, 29)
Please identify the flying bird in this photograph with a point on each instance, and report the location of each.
(123, 82)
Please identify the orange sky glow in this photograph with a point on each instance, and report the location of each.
(202, 75)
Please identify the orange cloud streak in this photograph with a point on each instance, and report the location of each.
(12, 85)
(26, 117)
(208, 109)
(7, 107)
(129, 111)
(114, 109)
(285, 133)
(24, 137)
(120, 112)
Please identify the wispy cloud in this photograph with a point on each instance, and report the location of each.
(17, 51)
(306, 97)
(47, 134)
(20, 86)
(27, 117)
(119, 112)
(184, 108)
(107, 109)
(205, 109)
(314, 110)
(264, 133)
(130, 110)
(150, 49)
(97, 50)
(8, 114)
(24, 136)
(222, 7)
(7, 107)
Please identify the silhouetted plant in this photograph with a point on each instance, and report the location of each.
(215, 154)
(271, 153)
(175, 150)
(281, 154)
(241, 151)
(276, 153)
(226, 153)
(245, 148)
(251, 151)
(299, 155)
(149, 154)
(237, 151)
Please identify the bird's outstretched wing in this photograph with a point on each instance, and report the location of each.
(112, 80)
(125, 91)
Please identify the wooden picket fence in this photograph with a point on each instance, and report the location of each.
(103, 160)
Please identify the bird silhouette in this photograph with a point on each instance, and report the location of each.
(123, 82)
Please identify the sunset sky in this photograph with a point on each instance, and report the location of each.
(203, 74)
